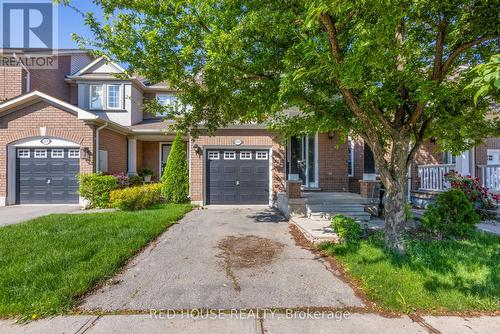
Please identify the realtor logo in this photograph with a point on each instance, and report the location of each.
(28, 24)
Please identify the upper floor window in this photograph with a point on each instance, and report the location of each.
(114, 96)
(96, 97)
(166, 99)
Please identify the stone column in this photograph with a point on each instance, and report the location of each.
(369, 189)
(132, 156)
(293, 189)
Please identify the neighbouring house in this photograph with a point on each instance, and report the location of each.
(82, 117)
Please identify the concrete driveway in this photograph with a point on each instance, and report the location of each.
(224, 259)
(19, 213)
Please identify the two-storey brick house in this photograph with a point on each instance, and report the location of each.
(83, 118)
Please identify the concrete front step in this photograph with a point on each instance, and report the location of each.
(338, 201)
(359, 216)
(336, 208)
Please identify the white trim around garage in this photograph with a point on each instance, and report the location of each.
(11, 161)
(206, 148)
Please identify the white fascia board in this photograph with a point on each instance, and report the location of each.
(97, 61)
(32, 96)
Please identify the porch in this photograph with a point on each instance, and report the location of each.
(432, 177)
(321, 206)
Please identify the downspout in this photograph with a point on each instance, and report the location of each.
(97, 145)
(28, 74)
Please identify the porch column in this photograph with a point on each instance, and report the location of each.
(132, 156)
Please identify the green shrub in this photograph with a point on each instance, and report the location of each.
(146, 172)
(175, 178)
(95, 188)
(451, 215)
(136, 198)
(346, 228)
(135, 180)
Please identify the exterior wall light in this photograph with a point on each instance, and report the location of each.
(197, 149)
(85, 153)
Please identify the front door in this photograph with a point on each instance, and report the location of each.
(165, 151)
(303, 160)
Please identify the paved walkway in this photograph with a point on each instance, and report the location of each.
(224, 259)
(245, 323)
(19, 213)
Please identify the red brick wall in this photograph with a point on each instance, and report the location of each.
(51, 81)
(116, 145)
(332, 163)
(26, 123)
(481, 152)
(11, 82)
(250, 137)
(427, 154)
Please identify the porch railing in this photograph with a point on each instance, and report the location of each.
(490, 177)
(432, 176)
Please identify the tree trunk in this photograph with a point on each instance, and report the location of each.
(394, 210)
(394, 175)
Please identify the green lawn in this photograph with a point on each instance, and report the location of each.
(432, 277)
(47, 263)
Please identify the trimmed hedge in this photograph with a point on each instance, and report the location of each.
(175, 178)
(451, 215)
(136, 198)
(96, 188)
(346, 228)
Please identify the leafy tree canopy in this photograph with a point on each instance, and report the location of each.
(392, 72)
(250, 60)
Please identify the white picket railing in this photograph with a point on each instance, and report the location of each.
(490, 177)
(432, 176)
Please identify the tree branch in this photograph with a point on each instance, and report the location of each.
(419, 139)
(438, 53)
(414, 117)
(461, 48)
(331, 30)
(381, 117)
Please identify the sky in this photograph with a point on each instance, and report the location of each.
(69, 21)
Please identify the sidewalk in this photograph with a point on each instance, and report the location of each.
(246, 323)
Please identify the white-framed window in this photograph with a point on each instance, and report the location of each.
(114, 96)
(350, 157)
(246, 155)
(261, 155)
(166, 99)
(213, 155)
(23, 153)
(96, 97)
(490, 158)
(57, 153)
(40, 153)
(74, 153)
(229, 155)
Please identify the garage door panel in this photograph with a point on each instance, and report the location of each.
(33, 173)
(229, 170)
(261, 183)
(247, 184)
(246, 170)
(245, 181)
(261, 169)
